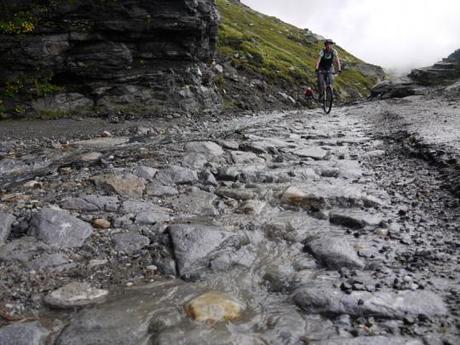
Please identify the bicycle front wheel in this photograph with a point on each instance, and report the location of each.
(328, 99)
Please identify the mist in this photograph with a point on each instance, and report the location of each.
(396, 34)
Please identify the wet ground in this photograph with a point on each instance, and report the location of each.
(307, 229)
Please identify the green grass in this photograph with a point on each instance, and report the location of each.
(282, 53)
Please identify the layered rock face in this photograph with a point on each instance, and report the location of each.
(443, 76)
(446, 70)
(140, 56)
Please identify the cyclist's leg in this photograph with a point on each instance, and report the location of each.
(321, 84)
(330, 78)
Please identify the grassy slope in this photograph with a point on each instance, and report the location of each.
(282, 53)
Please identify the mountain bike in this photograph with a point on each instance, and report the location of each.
(328, 94)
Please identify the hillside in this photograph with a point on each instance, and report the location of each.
(272, 56)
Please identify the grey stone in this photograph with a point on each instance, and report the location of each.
(335, 252)
(124, 320)
(373, 340)
(147, 173)
(253, 207)
(28, 333)
(159, 190)
(6, 220)
(22, 249)
(75, 294)
(59, 228)
(176, 175)
(314, 152)
(11, 166)
(208, 148)
(197, 202)
(194, 245)
(321, 299)
(234, 193)
(92, 203)
(241, 157)
(51, 262)
(324, 195)
(194, 160)
(125, 185)
(63, 102)
(130, 242)
(354, 219)
(145, 213)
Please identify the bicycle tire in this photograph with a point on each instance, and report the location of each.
(328, 100)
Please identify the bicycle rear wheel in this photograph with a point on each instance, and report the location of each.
(328, 99)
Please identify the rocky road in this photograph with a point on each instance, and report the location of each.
(281, 228)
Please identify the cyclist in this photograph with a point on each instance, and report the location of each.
(325, 65)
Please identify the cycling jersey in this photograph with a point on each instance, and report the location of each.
(327, 59)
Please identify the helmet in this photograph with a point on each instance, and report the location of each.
(329, 41)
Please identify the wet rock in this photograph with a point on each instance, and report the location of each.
(100, 143)
(176, 175)
(194, 245)
(75, 294)
(319, 195)
(208, 148)
(313, 152)
(214, 307)
(125, 185)
(90, 157)
(234, 193)
(196, 202)
(62, 102)
(11, 166)
(145, 213)
(6, 221)
(195, 160)
(92, 203)
(334, 252)
(51, 262)
(158, 190)
(147, 173)
(264, 145)
(375, 340)
(28, 333)
(354, 219)
(130, 242)
(59, 228)
(230, 144)
(321, 299)
(124, 321)
(22, 249)
(240, 157)
(253, 207)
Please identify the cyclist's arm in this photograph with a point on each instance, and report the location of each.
(339, 64)
(317, 63)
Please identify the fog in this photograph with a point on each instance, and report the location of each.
(395, 34)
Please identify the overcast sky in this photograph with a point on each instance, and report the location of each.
(398, 34)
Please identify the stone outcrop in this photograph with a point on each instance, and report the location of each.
(136, 56)
(440, 73)
(420, 80)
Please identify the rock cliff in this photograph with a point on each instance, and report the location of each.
(141, 56)
(442, 78)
